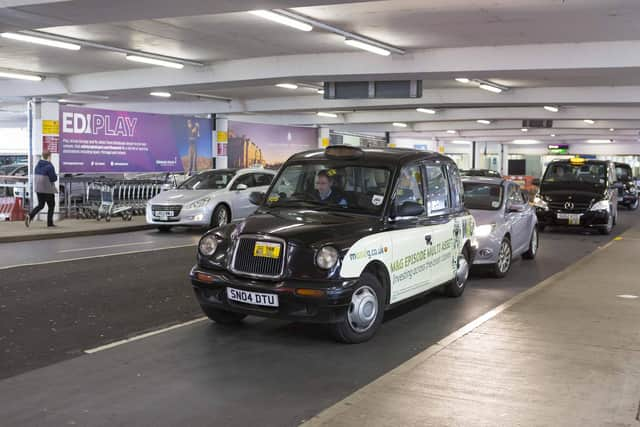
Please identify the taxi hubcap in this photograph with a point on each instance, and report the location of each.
(363, 309)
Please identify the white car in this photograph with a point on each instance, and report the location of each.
(211, 198)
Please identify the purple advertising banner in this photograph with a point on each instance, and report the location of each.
(253, 144)
(118, 141)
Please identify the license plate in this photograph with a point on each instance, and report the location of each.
(256, 298)
(163, 214)
(266, 250)
(574, 219)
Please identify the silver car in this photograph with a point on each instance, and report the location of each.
(209, 199)
(506, 222)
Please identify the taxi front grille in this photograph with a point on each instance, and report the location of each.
(569, 206)
(245, 263)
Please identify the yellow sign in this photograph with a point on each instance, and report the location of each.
(325, 142)
(50, 127)
(266, 250)
(441, 149)
(222, 136)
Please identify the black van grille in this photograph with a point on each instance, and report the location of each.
(245, 263)
(573, 207)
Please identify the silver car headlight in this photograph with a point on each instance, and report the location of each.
(327, 257)
(485, 230)
(602, 205)
(539, 202)
(208, 245)
(198, 203)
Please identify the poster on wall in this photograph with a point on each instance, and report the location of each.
(118, 141)
(252, 144)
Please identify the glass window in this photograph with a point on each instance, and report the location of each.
(247, 179)
(211, 180)
(589, 173)
(482, 196)
(263, 179)
(437, 190)
(457, 190)
(410, 186)
(515, 195)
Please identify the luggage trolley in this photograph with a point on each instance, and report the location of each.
(110, 209)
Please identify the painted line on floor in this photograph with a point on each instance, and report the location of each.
(31, 264)
(325, 417)
(143, 336)
(94, 248)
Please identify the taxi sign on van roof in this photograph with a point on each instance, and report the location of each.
(343, 152)
(577, 160)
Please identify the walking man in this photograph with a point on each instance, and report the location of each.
(44, 179)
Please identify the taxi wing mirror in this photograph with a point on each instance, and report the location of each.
(257, 198)
(409, 208)
(536, 182)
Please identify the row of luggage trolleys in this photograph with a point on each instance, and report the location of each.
(108, 199)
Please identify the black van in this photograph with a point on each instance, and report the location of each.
(341, 235)
(578, 192)
(627, 190)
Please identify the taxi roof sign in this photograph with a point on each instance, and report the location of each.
(343, 152)
(577, 160)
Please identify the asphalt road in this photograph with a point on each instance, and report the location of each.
(264, 372)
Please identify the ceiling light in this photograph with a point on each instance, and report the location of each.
(525, 141)
(323, 114)
(20, 76)
(155, 61)
(400, 124)
(368, 47)
(600, 141)
(589, 121)
(320, 91)
(484, 122)
(425, 110)
(490, 88)
(460, 142)
(524, 130)
(161, 94)
(287, 85)
(281, 19)
(551, 108)
(611, 129)
(452, 131)
(553, 135)
(463, 80)
(41, 41)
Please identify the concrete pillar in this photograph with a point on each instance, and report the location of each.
(504, 159)
(221, 140)
(323, 137)
(45, 126)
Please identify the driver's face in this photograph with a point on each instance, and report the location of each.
(322, 184)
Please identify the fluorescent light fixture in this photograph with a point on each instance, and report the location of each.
(524, 130)
(400, 124)
(281, 19)
(452, 131)
(41, 40)
(368, 47)
(155, 61)
(460, 142)
(525, 141)
(320, 91)
(553, 135)
(611, 129)
(484, 122)
(287, 85)
(161, 94)
(19, 76)
(551, 108)
(490, 88)
(463, 80)
(425, 110)
(323, 114)
(589, 121)
(600, 141)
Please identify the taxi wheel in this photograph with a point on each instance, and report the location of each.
(455, 288)
(633, 206)
(220, 217)
(364, 313)
(502, 267)
(607, 229)
(221, 316)
(533, 246)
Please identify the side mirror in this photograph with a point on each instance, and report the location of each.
(409, 208)
(256, 198)
(536, 182)
(241, 187)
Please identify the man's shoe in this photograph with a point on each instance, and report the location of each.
(27, 221)
(52, 225)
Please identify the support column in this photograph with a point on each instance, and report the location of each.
(323, 137)
(504, 159)
(221, 140)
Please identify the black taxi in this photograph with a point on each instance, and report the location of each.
(341, 235)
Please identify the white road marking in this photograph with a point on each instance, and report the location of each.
(143, 336)
(625, 296)
(105, 247)
(96, 256)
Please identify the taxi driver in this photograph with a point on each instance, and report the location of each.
(325, 192)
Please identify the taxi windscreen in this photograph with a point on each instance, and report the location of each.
(212, 180)
(331, 186)
(482, 196)
(566, 173)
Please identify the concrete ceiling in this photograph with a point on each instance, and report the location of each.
(579, 54)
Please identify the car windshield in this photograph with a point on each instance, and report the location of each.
(331, 186)
(624, 173)
(212, 180)
(482, 196)
(567, 173)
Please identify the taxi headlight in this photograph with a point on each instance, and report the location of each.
(198, 203)
(327, 257)
(208, 245)
(539, 202)
(602, 205)
(485, 230)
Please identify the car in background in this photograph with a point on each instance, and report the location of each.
(12, 174)
(210, 198)
(481, 172)
(578, 193)
(627, 188)
(505, 222)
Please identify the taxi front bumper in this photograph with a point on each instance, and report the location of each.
(587, 219)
